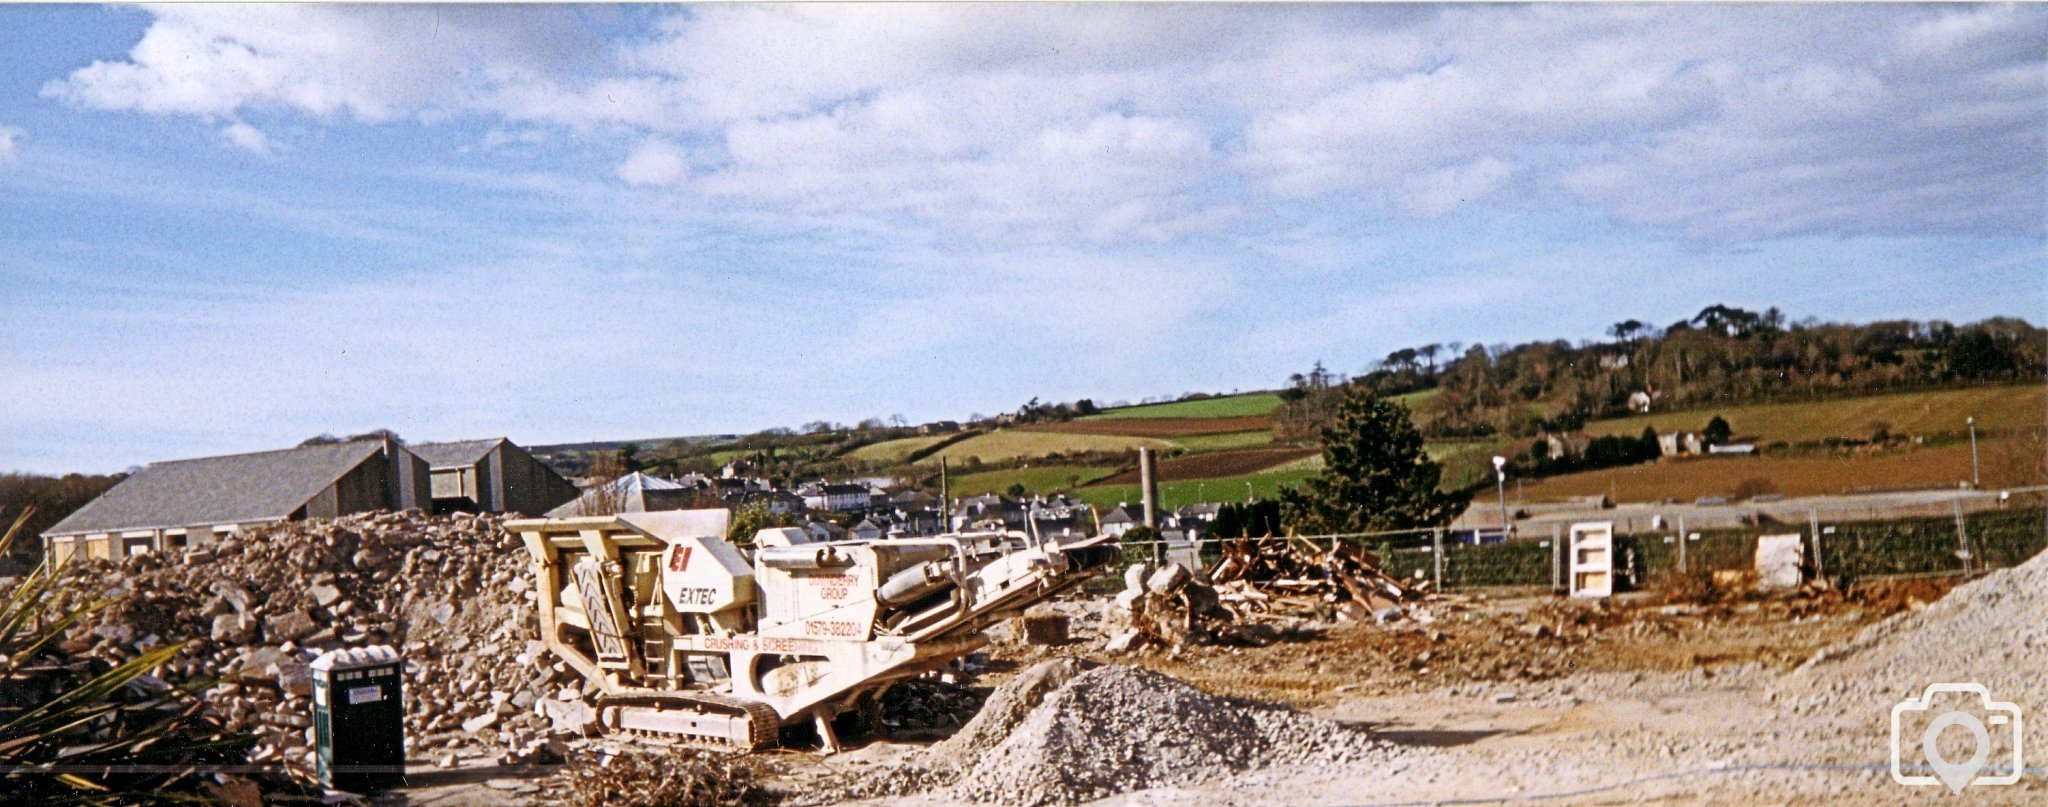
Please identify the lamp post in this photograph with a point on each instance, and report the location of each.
(1975, 480)
(1500, 476)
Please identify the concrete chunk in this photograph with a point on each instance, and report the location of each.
(1168, 579)
(325, 594)
(289, 625)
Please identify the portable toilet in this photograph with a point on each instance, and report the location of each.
(359, 718)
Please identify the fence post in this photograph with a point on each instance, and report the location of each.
(1962, 534)
(1820, 570)
(1556, 558)
(1436, 540)
(1681, 545)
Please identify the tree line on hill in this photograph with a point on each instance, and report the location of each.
(1722, 355)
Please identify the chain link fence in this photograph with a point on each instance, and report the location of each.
(1843, 544)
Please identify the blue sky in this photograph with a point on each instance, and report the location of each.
(229, 228)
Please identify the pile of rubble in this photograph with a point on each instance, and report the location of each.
(451, 593)
(1168, 608)
(1171, 607)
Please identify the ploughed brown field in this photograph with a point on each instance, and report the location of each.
(1211, 466)
(1795, 476)
(1157, 427)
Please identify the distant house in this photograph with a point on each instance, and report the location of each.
(846, 498)
(939, 427)
(1681, 444)
(1204, 512)
(777, 502)
(913, 498)
(919, 521)
(1122, 519)
(633, 493)
(989, 511)
(492, 476)
(184, 504)
(871, 528)
(825, 531)
(1640, 401)
(1562, 446)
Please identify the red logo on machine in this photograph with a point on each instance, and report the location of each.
(678, 558)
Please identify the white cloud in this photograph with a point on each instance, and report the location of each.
(371, 63)
(655, 162)
(1152, 122)
(247, 138)
(9, 150)
(1442, 190)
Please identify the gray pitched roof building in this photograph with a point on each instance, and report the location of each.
(494, 476)
(183, 503)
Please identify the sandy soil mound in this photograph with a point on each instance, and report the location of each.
(1062, 734)
(1992, 631)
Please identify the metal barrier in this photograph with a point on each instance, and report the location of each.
(1842, 543)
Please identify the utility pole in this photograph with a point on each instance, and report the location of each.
(1975, 480)
(1500, 475)
(1681, 544)
(1557, 557)
(1962, 536)
(1820, 570)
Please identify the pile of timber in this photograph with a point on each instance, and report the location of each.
(1253, 571)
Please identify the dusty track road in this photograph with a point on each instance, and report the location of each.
(1533, 701)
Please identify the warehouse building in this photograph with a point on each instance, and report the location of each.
(188, 504)
(492, 476)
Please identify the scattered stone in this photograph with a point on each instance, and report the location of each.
(289, 625)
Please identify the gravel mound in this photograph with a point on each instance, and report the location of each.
(1116, 729)
(1992, 631)
(1007, 707)
(1061, 733)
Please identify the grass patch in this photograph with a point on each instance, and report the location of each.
(1256, 403)
(1421, 405)
(1042, 479)
(1232, 441)
(1937, 413)
(1010, 444)
(1180, 493)
(896, 450)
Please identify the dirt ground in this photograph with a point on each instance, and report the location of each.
(1647, 699)
(1212, 466)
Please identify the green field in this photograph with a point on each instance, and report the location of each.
(896, 450)
(1038, 479)
(1230, 441)
(1256, 403)
(1009, 444)
(1938, 413)
(1179, 493)
(1421, 406)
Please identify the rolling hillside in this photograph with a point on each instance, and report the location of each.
(1249, 404)
(1939, 413)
